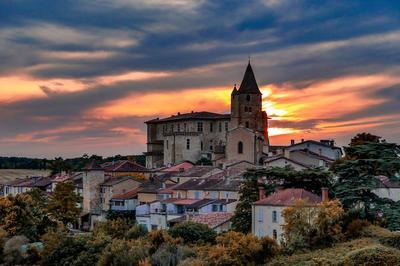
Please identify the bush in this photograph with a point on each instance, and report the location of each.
(192, 232)
(160, 237)
(113, 228)
(355, 227)
(392, 240)
(171, 255)
(136, 232)
(270, 247)
(374, 255)
(374, 231)
(192, 262)
(124, 253)
(11, 250)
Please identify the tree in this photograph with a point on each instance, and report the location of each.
(136, 231)
(204, 161)
(241, 220)
(364, 138)
(20, 216)
(63, 203)
(124, 253)
(312, 226)
(358, 177)
(192, 232)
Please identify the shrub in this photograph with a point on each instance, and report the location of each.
(124, 253)
(374, 231)
(270, 247)
(136, 232)
(114, 228)
(192, 262)
(392, 240)
(192, 232)
(158, 238)
(373, 255)
(11, 250)
(171, 255)
(355, 227)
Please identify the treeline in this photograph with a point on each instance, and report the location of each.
(59, 164)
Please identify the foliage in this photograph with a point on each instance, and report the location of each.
(364, 161)
(11, 250)
(392, 240)
(235, 248)
(52, 238)
(373, 255)
(354, 228)
(312, 226)
(364, 138)
(113, 228)
(374, 232)
(204, 161)
(124, 253)
(114, 215)
(136, 231)
(171, 254)
(192, 232)
(66, 251)
(21, 216)
(63, 202)
(160, 237)
(241, 220)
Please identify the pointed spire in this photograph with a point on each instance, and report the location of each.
(234, 91)
(249, 83)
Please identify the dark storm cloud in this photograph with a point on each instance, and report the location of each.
(297, 42)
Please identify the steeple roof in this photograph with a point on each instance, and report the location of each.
(249, 83)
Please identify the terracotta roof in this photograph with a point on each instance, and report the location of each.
(36, 181)
(249, 83)
(289, 197)
(123, 166)
(183, 166)
(313, 154)
(197, 171)
(128, 195)
(226, 184)
(115, 180)
(212, 219)
(317, 143)
(186, 201)
(279, 157)
(191, 116)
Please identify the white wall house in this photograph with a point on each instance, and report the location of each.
(267, 219)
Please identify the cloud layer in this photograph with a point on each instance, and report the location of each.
(81, 76)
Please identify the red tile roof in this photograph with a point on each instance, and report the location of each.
(212, 219)
(289, 197)
(183, 166)
(191, 116)
(128, 195)
(123, 166)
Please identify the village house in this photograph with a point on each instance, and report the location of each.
(387, 189)
(127, 201)
(24, 185)
(125, 168)
(267, 219)
(197, 171)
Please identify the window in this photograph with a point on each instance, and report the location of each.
(274, 217)
(211, 145)
(275, 234)
(167, 144)
(188, 144)
(261, 214)
(214, 195)
(247, 124)
(246, 109)
(240, 147)
(248, 98)
(201, 145)
(215, 208)
(226, 126)
(179, 127)
(172, 128)
(184, 127)
(211, 127)
(199, 126)
(197, 194)
(250, 109)
(220, 127)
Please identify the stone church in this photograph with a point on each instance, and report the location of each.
(224, 139)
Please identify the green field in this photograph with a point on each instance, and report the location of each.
(7, 175)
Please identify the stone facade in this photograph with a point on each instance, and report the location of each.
(222, 138)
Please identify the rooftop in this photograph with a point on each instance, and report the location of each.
(198, 171)
(191, 116)
(289, 197)
(128, 195)
(123, 166)
(212, 219)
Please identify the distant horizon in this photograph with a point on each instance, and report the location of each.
(83, 78)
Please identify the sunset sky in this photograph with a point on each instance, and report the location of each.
(81, 76)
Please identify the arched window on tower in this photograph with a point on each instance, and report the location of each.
(248, 98)
(247, 124)
(246, 109)
(240, 147)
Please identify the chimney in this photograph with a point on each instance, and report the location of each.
(292, 142)
(325, 194)
(261, 193)
(302, 140)
(332, 142)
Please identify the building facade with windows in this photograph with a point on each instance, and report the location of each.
(222, 138)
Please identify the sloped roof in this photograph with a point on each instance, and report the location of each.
(128, 195)
(39, 181)
(307, 152)
(289, 197)
(317, 143)
(116, 180)
(212, 219)
(197, 171)
(185, 165)
(249, 84)
(93, 166)
(225, 184)
(280, 157)
(123, 166)
(191, 116)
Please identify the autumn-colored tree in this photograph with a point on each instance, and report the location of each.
(312, 226)
(192, 232)
(20, 216)
(364, 138)
(114, 228)
(63, 203)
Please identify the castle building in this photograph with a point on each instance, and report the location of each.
(241, 135)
